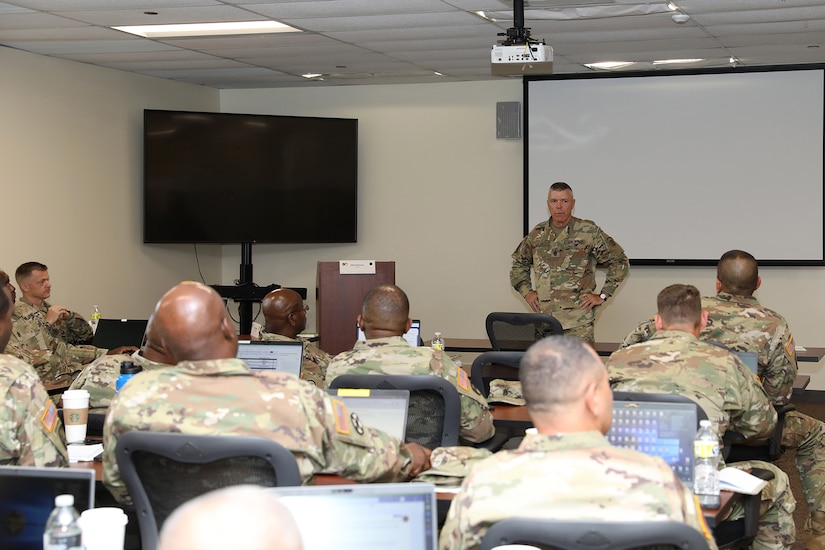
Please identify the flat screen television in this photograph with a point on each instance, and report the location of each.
(246, 178)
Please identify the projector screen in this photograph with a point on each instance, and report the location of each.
(681, 167)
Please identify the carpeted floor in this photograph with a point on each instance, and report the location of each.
(788, 465)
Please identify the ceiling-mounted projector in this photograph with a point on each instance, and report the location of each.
(518, 54)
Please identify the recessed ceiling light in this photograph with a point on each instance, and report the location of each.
(207, 29)
(675, 61)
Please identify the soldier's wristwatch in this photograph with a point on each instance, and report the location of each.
(603, 296)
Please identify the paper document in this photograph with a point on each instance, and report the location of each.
(84, 453)
(740, 481)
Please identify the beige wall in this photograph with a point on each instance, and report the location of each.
(439, 195)
(71, 142)
(443, 198)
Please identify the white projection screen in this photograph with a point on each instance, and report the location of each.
(681, 167)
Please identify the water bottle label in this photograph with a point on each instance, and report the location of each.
(438, 346)
(705, 449)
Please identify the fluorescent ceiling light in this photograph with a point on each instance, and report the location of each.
(207, 29)
(312, 75)
(609, 65)
(675, 61)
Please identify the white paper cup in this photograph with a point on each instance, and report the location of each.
(75, 414)
(103, 528)
(531, 431)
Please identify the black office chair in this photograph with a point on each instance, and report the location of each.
(434, 414)
(164, 470)
(494, 364)
(517, 331)
(592, 535)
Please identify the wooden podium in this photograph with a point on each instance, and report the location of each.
(339, 298)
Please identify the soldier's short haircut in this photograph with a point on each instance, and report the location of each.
(5, 303)
(24, 270)
(738, 272)
(386, 307)
(560, 186)
(555, 371)
(680, 305)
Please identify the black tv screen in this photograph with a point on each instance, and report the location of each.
(236, 178)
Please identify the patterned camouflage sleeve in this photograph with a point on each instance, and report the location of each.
(779, 373)
(74, 329)
(608, 253)
(751, 411)
(32, 435)
(522, 265)
(99, 379)
(640, 334)
(476, 419)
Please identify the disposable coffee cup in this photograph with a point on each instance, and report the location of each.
(531, 431)
(75, 414)
(103, 528)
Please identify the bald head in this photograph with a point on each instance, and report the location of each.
(284, 312)
(191, 324)
(243, 517)
(737, 273)
(385, 312)
(565, 386)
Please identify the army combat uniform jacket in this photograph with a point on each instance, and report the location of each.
(224, 397)
(315, 362)
(31, 434)
(394, 355)
(575, 476)
(565, 268)
(99, 378)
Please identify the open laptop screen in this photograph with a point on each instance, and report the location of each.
(373, 516)
(385, 410)
(750, 359)
(27, 498)
(413, 336)
(666, 430)
(113, 333)
(281, 356)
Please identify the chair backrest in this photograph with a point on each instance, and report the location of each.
(434, 416)
(591, 535)
(164, 470)
(494, 364)
(517, 331)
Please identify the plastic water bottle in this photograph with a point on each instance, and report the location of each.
(94, 318)
(438, 341)
(62, 529)
(127, 370)
(706, 465)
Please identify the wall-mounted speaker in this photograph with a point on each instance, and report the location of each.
(508, 120)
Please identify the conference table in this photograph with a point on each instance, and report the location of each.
(444, 495)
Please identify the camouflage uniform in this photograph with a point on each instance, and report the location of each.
(565, 267)
(35, 341)
(99, 378)
(316, 360)
(74, 329)
(394, 355)
(31, 434)
(576, 476)
(678, 363)
(742, 324)
(223, 397)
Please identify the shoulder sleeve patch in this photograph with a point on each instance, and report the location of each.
(790, 347)
(49, 418)
(463, 380)
(341, 417)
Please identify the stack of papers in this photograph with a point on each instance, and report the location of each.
(84, 453)
(740, 481)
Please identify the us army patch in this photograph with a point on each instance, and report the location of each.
(341, 422)
(49, 418)
(356, 423)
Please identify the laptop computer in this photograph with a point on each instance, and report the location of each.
(27, 498)
(275, 355)
(666, 430)
(113, 333)
(413, 336)
(382, 409)
(373, 516)
(750, 358)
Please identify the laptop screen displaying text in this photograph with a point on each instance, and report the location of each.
(412, 336)
(281, 356)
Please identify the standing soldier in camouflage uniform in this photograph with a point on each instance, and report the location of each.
(568, 470)
(675, 361)
(286, 318)
(31, 433)
(384, 318)
(737, 320)
(210, 392)
(564, 252)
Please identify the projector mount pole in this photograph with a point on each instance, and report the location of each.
(245, 306)
(518, 34)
